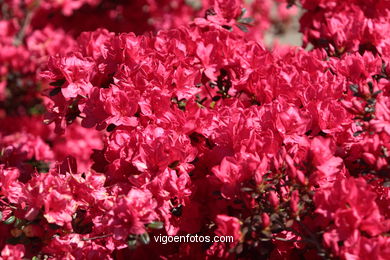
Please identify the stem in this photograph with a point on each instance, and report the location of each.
(98, 237)
(312, 239)
(26, 22)
(209, 93)
(287, 240)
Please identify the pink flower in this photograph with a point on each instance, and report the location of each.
(323, 158)
(76, 70)
(130, 214)
(122, 105)
(13, 252)
(160, 148)
(227, 226)
(52, 192)
(200, 129)
(230, 9)
(11, 188)
(2, 90)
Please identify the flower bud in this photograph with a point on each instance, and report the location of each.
(358, 105)
(265, 220)
(273, 198)
(33, 231)
(294, 201)
(369, 158)
(16, 232)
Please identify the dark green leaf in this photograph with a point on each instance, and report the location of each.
(177, 211)
(182, 105)
(58, 83)
(110, 127)
(354, 88)
(41, 166)
(227, 27)
(216, 98)
(376, 93)
(10, 220)
(14, 240)
(174, 164)
(242, 27)
(55, 91)
(174, 100)
(132, 243)
(243, 12)
(54, 226)
(371, 87)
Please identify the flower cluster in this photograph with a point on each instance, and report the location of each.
(343, 26)
(124, 120)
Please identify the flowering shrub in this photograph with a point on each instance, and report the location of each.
(124, 120)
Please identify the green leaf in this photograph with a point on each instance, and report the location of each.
(246, 20)
(242, 27)
(243, 12)
(41, 166)
(354, 88)
(10, 220)
(194, 4)
(132, 243)
(156, 225)
(145, 239)
(18, 222)
(38, 109)
(246, 189)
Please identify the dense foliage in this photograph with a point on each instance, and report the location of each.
(123, 120)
